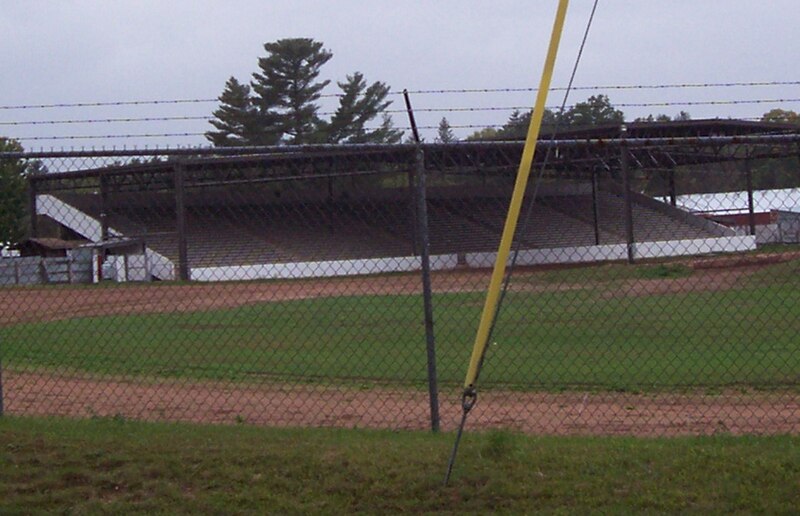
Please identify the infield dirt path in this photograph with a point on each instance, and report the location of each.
(572, 413)
(36, 304)
(28, 393)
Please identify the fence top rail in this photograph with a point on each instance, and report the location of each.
(352, 149)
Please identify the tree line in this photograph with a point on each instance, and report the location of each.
(279, 105)
(13, 198)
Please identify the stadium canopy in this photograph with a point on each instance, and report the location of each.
(569, 153)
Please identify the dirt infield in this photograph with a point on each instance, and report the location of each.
(571, 413)
(37, 304)
(75, 395)
(48, 304)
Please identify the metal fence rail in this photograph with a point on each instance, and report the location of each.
(655, 288)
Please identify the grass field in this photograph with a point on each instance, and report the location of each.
(592, 334)
(115, 466)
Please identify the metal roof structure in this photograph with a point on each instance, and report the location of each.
(680, 129)
(650, 145)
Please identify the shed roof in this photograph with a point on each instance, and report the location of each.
(53, 244)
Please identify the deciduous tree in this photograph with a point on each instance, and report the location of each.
(12, 195)
(781, 115)
(596, 110)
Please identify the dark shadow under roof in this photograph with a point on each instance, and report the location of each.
(680, 129)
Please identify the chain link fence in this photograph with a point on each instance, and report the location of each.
(654, 289)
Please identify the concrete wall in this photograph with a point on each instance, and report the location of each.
(597, 253)
(765, 233)
(321, 269)
(476, 260)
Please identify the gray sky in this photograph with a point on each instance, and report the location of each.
(123, 50)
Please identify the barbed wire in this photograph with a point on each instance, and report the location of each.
(615, 105)
(109, 120)
(398, 111)
(424, 92)
(108, 136)
(194, 134)
(617, 87)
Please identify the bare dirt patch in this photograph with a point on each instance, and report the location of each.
(745, 260)
(570, 413)
(306, 405)
(37, 304)
(710, 280)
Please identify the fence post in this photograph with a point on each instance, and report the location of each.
(751, 214)
(2, 409)
(673, 194)
(412, 191)
(32, 205)
(595, 208)
(180, 222)
(626, 183)
(44, 276)
(103, 207)
(427, 298)
(101, 252)
(411, 174)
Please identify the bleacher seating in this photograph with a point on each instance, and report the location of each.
(288, 232)
(648, 225)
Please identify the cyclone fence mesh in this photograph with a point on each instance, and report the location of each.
(654, 289)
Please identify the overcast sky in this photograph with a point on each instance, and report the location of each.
(105, 51)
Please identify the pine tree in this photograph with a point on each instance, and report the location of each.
(238, 121)
(286, 83)
(279, 105)
(445, 133)
(683, 116)
(358, 105)
(386, 133)
(516, 128)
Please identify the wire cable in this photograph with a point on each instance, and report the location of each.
(469, 396)
(610, 87)
(206, 118)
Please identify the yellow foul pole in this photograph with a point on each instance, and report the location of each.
(493, 295)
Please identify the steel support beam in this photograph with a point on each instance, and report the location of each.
(184, 274)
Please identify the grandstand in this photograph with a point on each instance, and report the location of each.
(233, 239)
(323, 211)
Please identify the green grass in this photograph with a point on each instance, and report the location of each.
(606, 273)
(595, 336)
(116, 466)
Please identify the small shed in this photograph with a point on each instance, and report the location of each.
(122, 259)
(49, 247)
(48, 260)
(789, 225)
